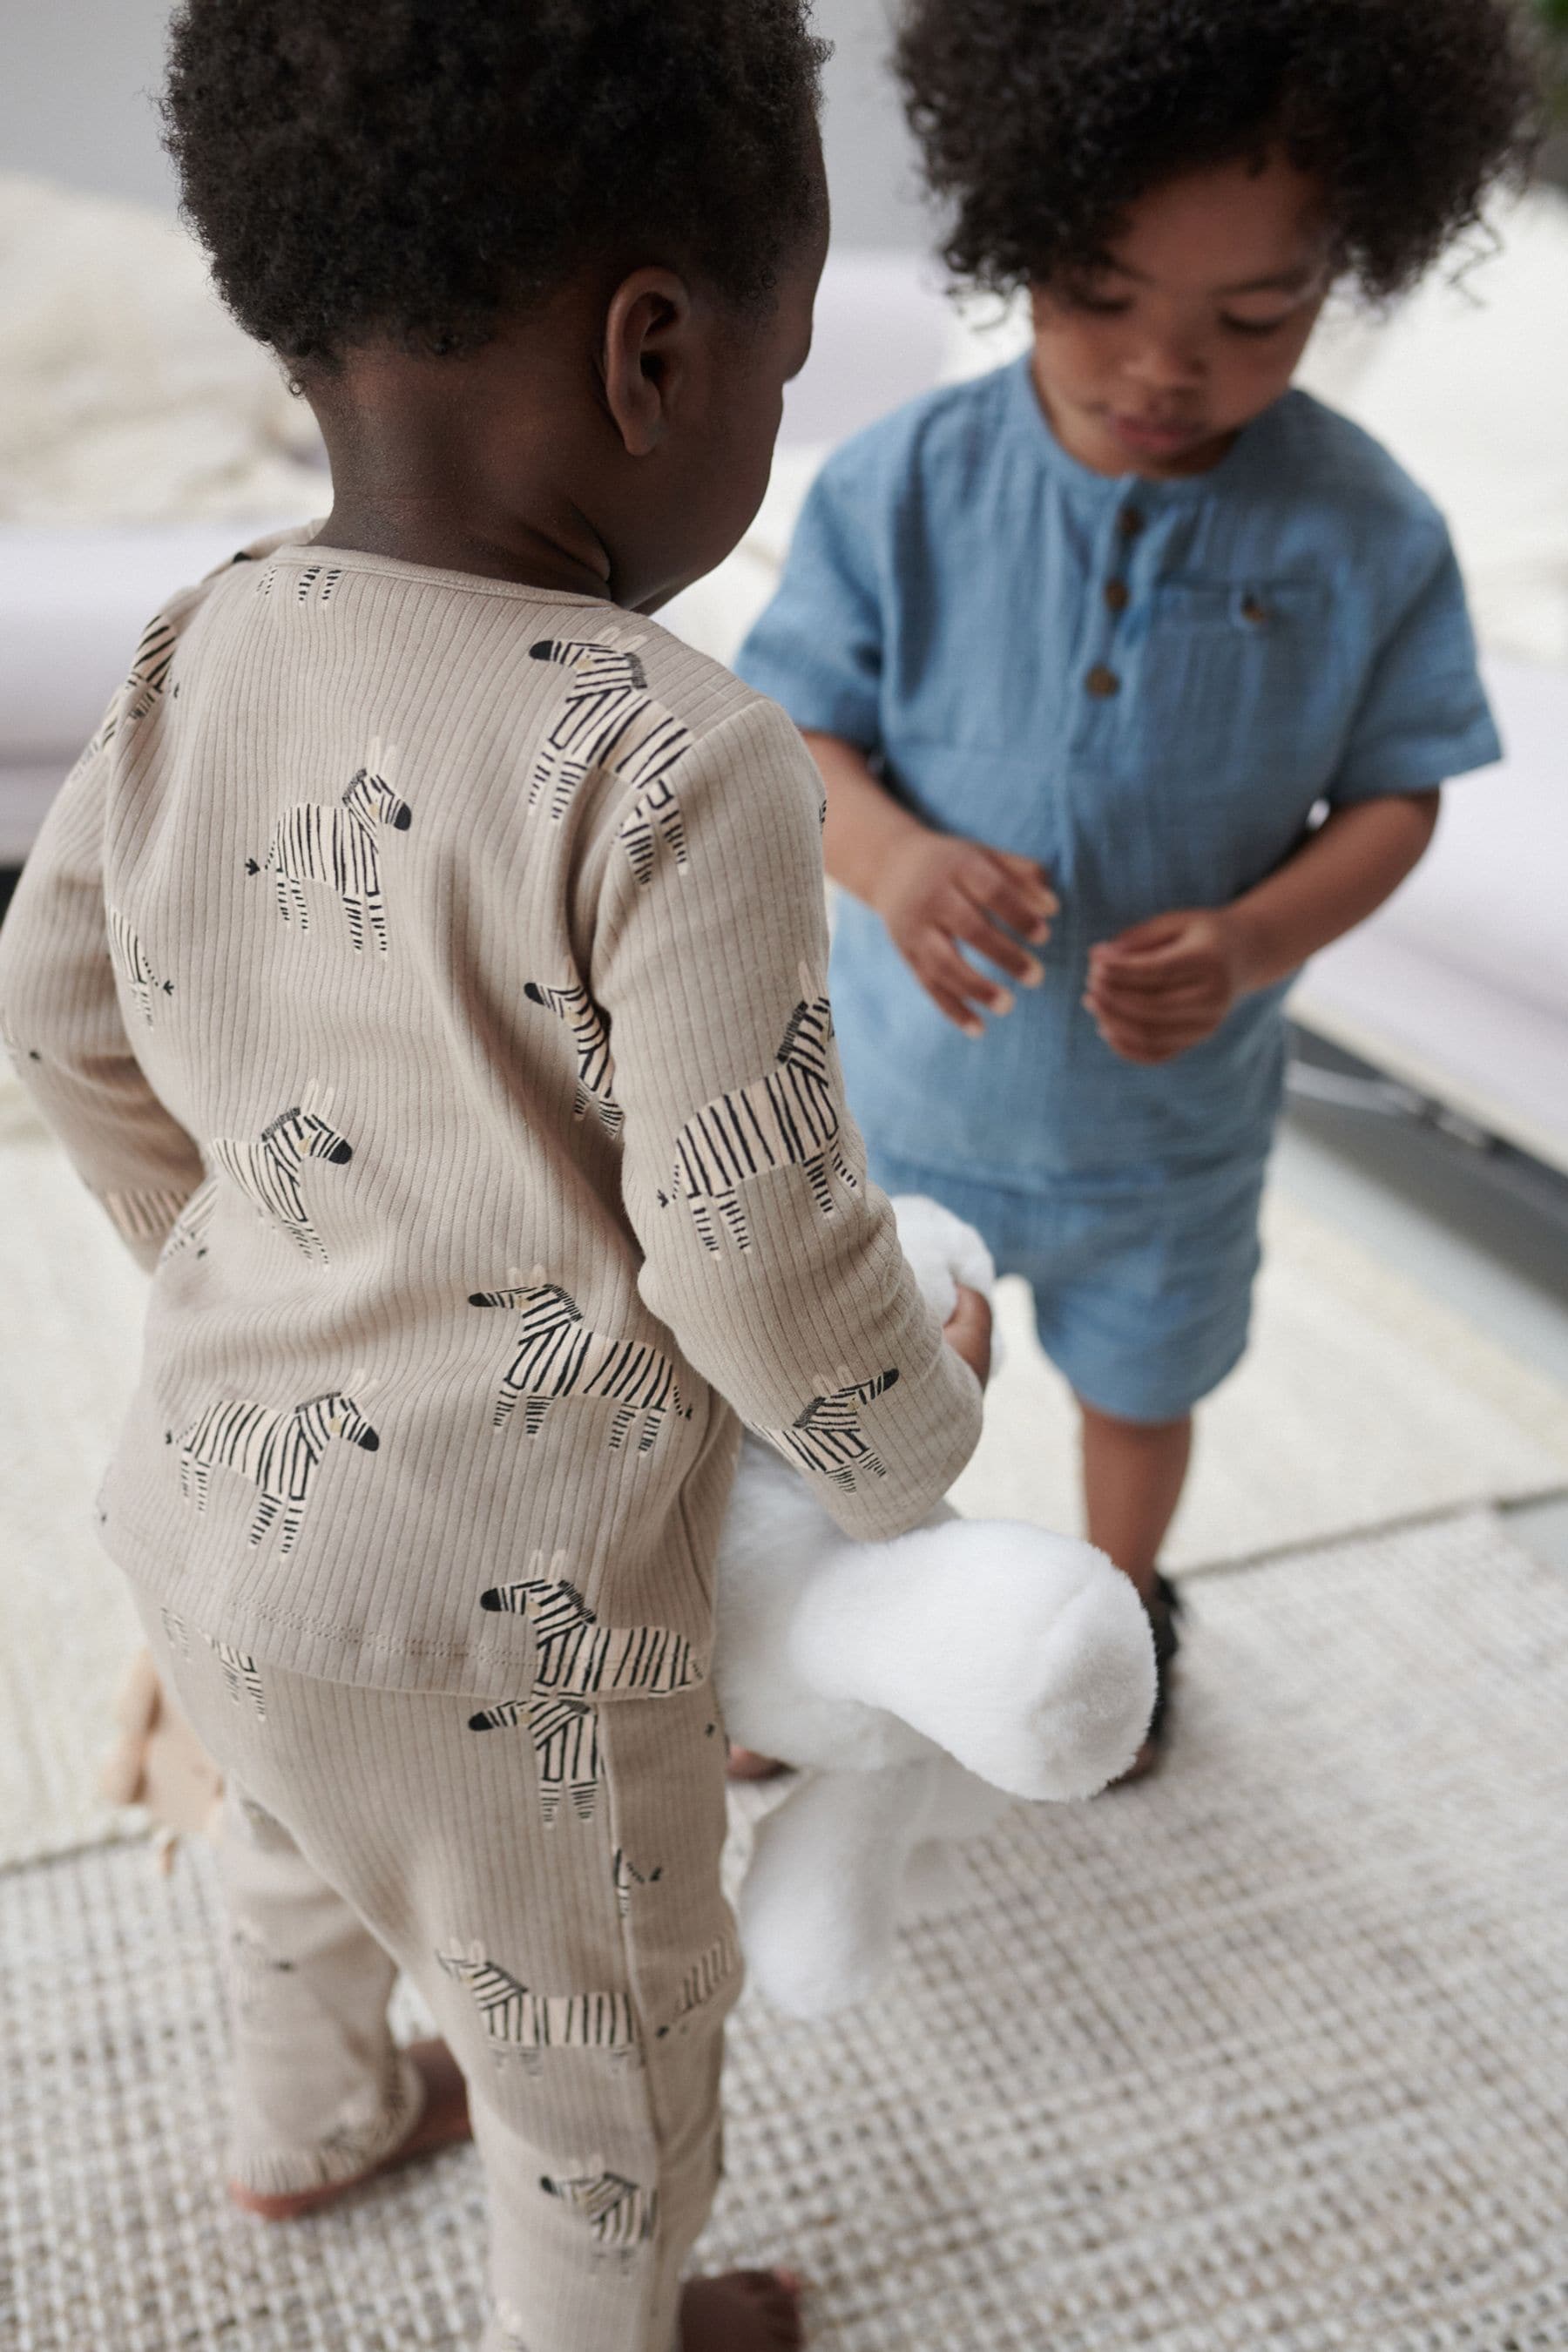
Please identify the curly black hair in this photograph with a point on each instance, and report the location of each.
(1043, 121)
(410, 170)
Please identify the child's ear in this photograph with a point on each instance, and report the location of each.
(646, 355)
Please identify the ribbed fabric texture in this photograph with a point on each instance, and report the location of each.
(428, 974)
(579, 1961)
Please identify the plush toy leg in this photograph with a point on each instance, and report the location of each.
(820, 1902)
(1024, 1655)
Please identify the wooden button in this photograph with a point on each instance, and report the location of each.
(1255, 610)
(1117, 595)
(1130, 521)
(1102, 681)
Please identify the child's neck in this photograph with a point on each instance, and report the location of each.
(450, 463)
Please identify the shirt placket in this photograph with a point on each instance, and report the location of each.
(1101, 682)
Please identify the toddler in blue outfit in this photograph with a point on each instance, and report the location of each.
(1131, 673)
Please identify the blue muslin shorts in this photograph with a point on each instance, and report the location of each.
(1143, 1293)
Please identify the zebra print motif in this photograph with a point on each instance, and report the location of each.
(625, 1874)
(564, 1733)
(268, 1170)
(654, 818)
(517, 2021)
(336, 843)
(309, 578)
(144, 685)
(148, 668)
(787, 1118)
(611, 723)
(574, 1654)
(712, 1969)
(826, 1436)
(560, 1356)
(623, 2216)
(190, 1227)
(590, 1038)
(131, 967)
(239, 1674)
(278, 1453)
(174, 1633)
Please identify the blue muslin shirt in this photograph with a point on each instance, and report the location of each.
(1148, 686)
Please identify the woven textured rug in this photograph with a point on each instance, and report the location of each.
(1272, 2052)
(1361, 1402)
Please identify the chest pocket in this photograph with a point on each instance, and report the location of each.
(1241, 687)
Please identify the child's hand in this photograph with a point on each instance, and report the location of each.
(1166, 984)
(968, 1332)
(936, 890)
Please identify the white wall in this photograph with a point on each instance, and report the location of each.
(78, 79)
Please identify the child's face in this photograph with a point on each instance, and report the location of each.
(1192, 324)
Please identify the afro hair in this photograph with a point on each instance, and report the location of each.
(409, 171)
(1041, 121)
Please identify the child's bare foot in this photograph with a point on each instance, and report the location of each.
(443, 2120)
(745, 1764)
(743, 2311)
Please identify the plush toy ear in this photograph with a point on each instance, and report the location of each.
(536, 1566)
(560, 1562)
(514, 1277)
(538, 1274)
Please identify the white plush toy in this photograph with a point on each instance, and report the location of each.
(922, 1684)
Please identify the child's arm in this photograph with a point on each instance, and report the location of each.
(1168, 983)
(931, 890)
(59, 1015)
(768, 1255)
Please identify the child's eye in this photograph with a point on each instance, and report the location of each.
(1256, 326)
(1101, 305)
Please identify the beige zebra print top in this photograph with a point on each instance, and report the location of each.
(428, 974)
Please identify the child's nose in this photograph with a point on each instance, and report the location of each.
(1167, 363)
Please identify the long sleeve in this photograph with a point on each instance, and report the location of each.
(767, 1253)
(60, 1017)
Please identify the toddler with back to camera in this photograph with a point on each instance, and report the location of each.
(1132, 674)
(420, 819)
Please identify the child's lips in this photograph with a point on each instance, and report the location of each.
(1155, 433)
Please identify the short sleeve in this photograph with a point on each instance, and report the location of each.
(1424, 715)
(817, 648)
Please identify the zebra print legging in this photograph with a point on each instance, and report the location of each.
(540, 1934)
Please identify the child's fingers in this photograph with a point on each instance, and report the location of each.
(1024, 901)
(1149, 975)
(954, 987)
(1136, 1042)
(977, 930)
(968, 1332)
(1184, 996)
(941, 964)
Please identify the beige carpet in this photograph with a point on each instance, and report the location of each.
(1362, 1403)
(1269, 2055)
